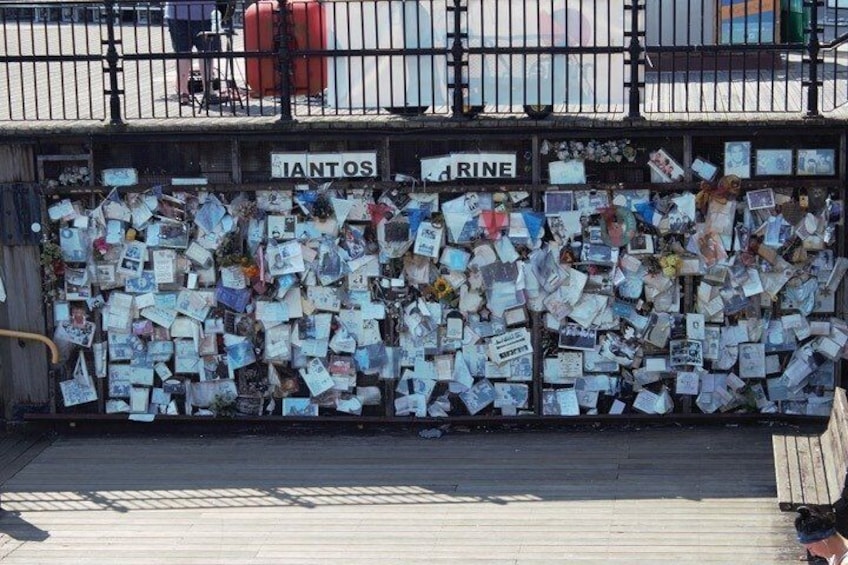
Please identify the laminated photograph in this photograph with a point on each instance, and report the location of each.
(143, 284)
(712, 338)
(816, 162)
(572, 171)
(704, 169)
(752, 360)
(686, 352)
(285, 258)
(324, 298)
(646, 402)
(774, 162)
(687, 383)
(511, 395)
(567, 403)
(164, 266)
(74, 244)
(193, 304)
(316, 377)
(564, 368)
(521, 369)
(411, 405)
(557, 202)
(274, 201)
(574, 336)
(510, 345)
(74, 393)
(168, 235)
(590, 202)
(133, 257)
(760, 199)
(594, 362)
(240, 354)
(199, 255)
(737, 159)
(478, 396)
(186, 359)
(664, 168)
(695, 327)
(233, 277)
(428, 240)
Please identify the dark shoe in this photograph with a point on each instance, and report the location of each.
(185, 100)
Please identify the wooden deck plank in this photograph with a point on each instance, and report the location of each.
(653, 496)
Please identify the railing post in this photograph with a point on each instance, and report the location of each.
(813, 59)
(635, 52)
(458, 60)
(112, 67)
(284, 60)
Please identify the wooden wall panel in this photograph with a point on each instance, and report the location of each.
(23, 365)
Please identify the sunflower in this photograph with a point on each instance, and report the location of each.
(442, 288)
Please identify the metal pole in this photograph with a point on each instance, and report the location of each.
(635, 52)
(813, 54)
(458, 60)
(284, 60)
(112, 69)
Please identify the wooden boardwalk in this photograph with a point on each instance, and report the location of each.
(39, 94)
(651, 495)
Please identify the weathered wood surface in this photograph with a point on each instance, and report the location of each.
(651, 495)
(23, 364)
(810, 469)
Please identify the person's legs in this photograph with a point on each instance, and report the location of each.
(181, 42)
(206, 44)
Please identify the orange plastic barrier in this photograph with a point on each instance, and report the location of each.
(307, 31)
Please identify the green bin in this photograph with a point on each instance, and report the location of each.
(794, 19)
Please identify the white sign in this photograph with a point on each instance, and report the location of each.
(323, 165)
(120, 177)
(510, 345)
(468, 166)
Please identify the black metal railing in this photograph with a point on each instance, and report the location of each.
(116, 61)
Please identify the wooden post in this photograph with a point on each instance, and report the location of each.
(23, 364)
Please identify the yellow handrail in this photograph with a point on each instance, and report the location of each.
(54, 350)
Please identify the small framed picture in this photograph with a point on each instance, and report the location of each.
(774, 162)
(665, 167)
(737, 159)
(704, 169)
(816, 162)
(641, 244)
(760, 199)
(558, 201)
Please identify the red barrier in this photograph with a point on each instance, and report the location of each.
(307, 31)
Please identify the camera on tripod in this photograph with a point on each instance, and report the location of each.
(195, 83)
